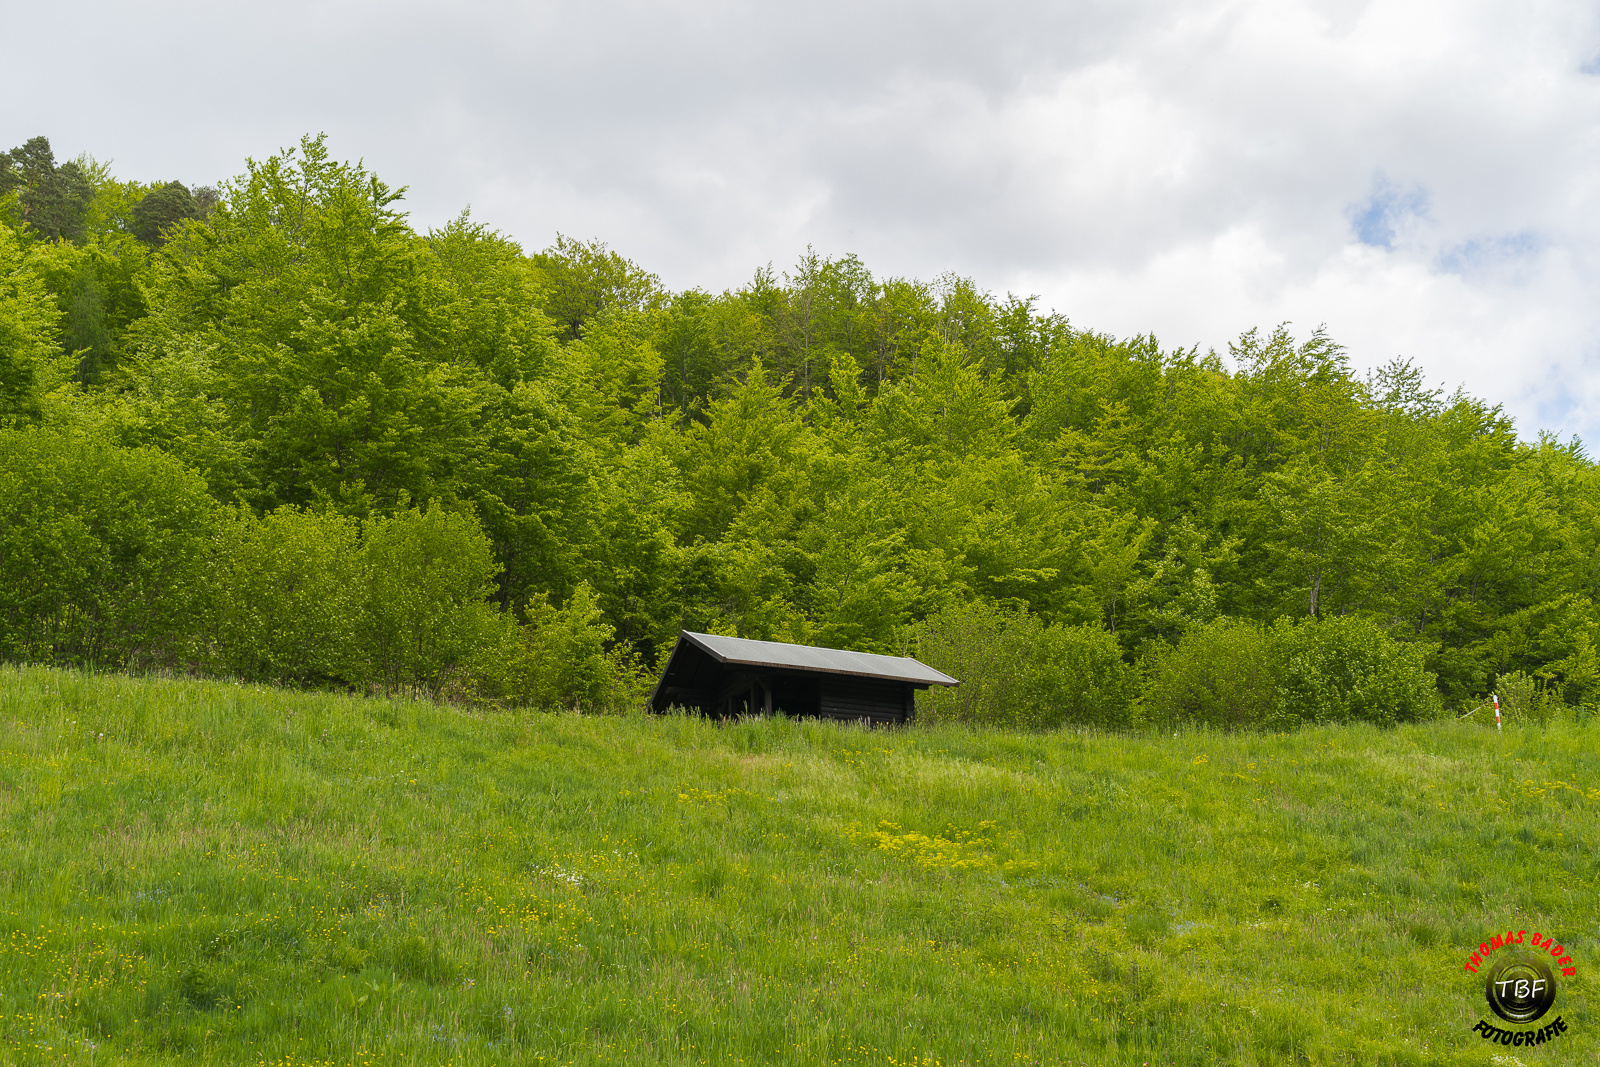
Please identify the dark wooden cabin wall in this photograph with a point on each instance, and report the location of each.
(859, 698)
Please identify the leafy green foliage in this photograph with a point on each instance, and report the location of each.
(581, 279)
(1233, 673)
(102, 552)
(301, 296)
(399, 603)
(162, 208)
(1524, 700)
(563, 657)
(1019, 672)
(51, 200)
(29, 356)
(96, 286)
(289, 597)
(428, 574)
(1346, 669)
(817, 455)
(1223, 675)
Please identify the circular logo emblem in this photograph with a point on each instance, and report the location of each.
(1520, 988)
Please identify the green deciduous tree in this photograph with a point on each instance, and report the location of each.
(160, 209)
(580, 279)
(31, 361)
(815, 455)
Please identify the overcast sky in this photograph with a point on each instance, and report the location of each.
(1423, 177)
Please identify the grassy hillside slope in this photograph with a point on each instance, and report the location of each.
(199, 872)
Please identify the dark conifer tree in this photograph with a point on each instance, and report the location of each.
(54, 200)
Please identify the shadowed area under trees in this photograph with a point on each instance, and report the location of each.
(459, 468)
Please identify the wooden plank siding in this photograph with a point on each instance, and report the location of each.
(863, 698)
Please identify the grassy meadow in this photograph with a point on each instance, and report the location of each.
(198, 872)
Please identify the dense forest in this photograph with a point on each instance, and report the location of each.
(268, 430)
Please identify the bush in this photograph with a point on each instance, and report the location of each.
(560, 659)
(1077, 675)
(1523, 699)
(1017, 671)
(1235, 674)
(290, 591)
(314, 598)
(102, 552)
(1346, 669)
(401, 602)
(981, 646)
(1220, 674)
(429, 575)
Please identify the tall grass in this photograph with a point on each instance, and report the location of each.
(199, 872)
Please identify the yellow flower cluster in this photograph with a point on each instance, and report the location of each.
(953, 849)
(700, 796)
(1534, 789)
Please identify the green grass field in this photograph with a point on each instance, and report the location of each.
(199, 872)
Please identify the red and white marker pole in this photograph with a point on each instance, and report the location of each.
(1496, 698)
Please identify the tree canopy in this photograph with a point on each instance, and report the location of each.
(819, 454)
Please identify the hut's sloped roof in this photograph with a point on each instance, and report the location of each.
(775, 655)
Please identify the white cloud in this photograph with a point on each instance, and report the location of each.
(1420, 175)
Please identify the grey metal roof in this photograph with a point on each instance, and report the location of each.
(775, 654)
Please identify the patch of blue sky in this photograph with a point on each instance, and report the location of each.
(1556, 408)
(1592, 66)
(1562, 409)
(1376, 220)
(1498, 253)
(1563, 405)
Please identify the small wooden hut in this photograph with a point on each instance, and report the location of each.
(731, 676)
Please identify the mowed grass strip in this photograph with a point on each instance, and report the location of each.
(199, 872)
